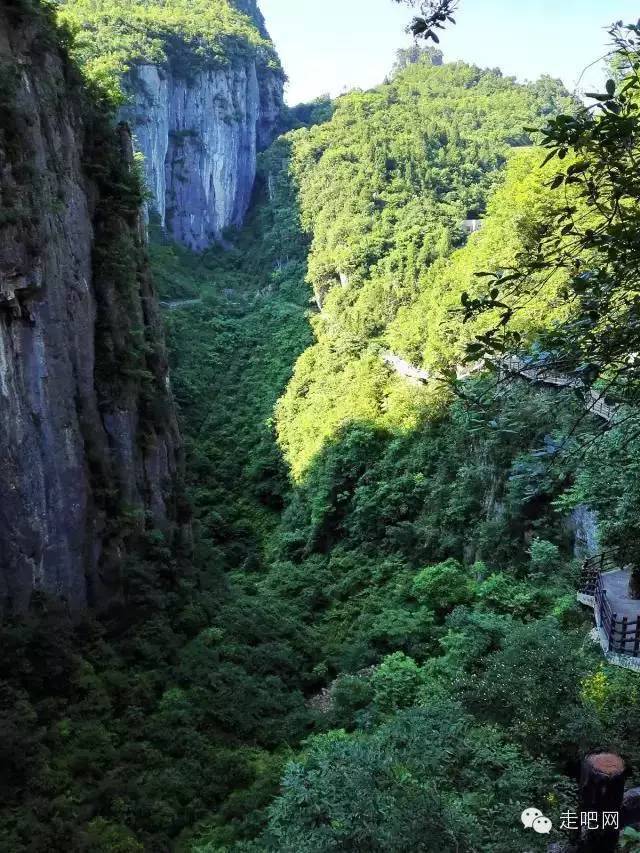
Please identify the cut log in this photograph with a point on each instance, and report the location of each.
(601, 793)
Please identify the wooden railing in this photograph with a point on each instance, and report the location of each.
(593, 567)
(621, 634)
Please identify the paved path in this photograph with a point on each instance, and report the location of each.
(404, 368)
(174, 304)
(616, 585)
(595, 403)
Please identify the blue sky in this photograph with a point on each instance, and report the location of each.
(333, 45)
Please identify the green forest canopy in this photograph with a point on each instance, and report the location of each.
(384, 188)
(109, 37)
(345, 661)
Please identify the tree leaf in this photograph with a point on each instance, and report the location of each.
(547, 159)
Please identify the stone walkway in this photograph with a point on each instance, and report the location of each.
(616, 585)
(516, 366)
(619, 639)
(175, 304)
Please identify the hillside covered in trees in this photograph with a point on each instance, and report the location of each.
(373, 641)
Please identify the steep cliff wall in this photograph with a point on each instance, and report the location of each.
(200, 135)
(201, 87)
(89, 447)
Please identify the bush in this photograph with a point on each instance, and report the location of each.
(350, 695)
(444, 586)
(545, 557)
(396, 682)
(410, 784)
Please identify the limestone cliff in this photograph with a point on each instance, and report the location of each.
(89, 447)
(199, 135)
(199, 130)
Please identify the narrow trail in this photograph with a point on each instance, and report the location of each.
(175, 304)
(515, 366)
(595, 402)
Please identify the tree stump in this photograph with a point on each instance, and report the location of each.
(634, 584)
(601, 793)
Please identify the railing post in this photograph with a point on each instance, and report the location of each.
(636, 642)
(623, 639)
(611, 631)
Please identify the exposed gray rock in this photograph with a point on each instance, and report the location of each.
(87, 426)
(200, 138)
(271, 86)
(583, 524)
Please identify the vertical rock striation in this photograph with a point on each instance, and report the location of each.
(89, 447)
(583, 525)
(200, 137)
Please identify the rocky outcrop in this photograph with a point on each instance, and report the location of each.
(200, 136)
(89, 444)
(583, 526)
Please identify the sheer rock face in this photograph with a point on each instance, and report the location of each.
(583, 524)
(88, 434)
(200, 137)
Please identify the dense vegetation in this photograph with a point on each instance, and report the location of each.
(590, 244)
(375, 645)
(110, 36)
(384, 189)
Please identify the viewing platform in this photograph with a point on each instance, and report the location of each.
(605, 587)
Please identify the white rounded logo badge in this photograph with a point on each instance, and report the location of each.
(534, 819)
(528, 816)
(542, 825)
